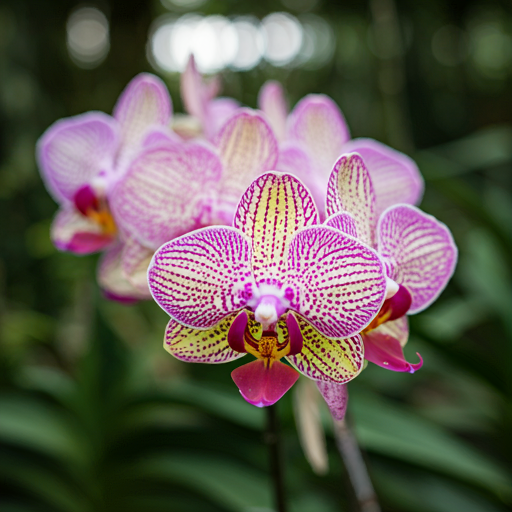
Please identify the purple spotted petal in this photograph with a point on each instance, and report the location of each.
(340, 283)
(336, 397)
(247, 148)
(113, 280)
(395, 176)
(164, 193)
(73, 232)
(422, 252)
(272, 102)
(200, 346)
(74, 151)
(386, 351)
(200, 278)
(145, 102)
(344, 222)
(262, 386)
(326, 359)
(350, 189)
(318, 126)
(270, 212)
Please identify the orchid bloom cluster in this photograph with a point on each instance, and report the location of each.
(260, 232)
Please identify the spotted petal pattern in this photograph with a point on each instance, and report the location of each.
(164, 193)
(199, 279)
(396, 177)
(200, 346)
(336, 397)
(328, 360)
(271, 211)
(317, 124)
(272, 102)
(73, 151)
(344, 222)
(350, 189)
(421, 250)
(339, 282)
(247, 148)
(144, 103)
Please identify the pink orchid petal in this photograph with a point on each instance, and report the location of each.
(398, 329)
(193, 91)
(272, 102)
(395, 176)
(247, 148)
(340, 282)
(325, 359)
(270, 212)
(350, 189)
(73, 151)
(160, 136)
(85, 199)
(317, 124)
(236, 332)
(144, 103)
(200, 278)
(344, 222)
(294, 334)
(73, 232)
(386, 351)
(422, 251)
(336, 397)
(135, 259)
(200, 346)
(218, 111)
(262, 386)
(165, 193)
(113, 280)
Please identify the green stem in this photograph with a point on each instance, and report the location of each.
(272, 439)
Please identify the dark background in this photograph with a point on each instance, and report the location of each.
(95, 416)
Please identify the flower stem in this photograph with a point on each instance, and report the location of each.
(356, 467)
(272, 439)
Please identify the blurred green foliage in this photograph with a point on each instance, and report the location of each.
(95, 416)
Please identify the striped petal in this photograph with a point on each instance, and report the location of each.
(318, 125)
(271, 211)
(386, 351)
(73, 232)
(350, 189)
(421, 250)
(328, 360)
(272, 102)
(200, 346)
(73, 151)
(335, 396)
(165, 193)
(113, 281)
(247, 148)
(344, 222)
(201, 278)
(218, 111)
(339, 283)
(395, 176)
(145, 102)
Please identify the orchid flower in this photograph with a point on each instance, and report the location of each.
(418, 251)
(274, 285)
(315, 134)
(207, 113)
(82, 158)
